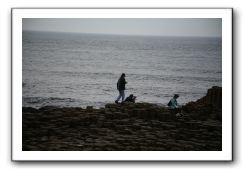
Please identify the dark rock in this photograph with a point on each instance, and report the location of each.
(48, 108)
(29, 110)
(89, 108)
(125, 127)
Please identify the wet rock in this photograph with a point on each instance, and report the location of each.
(208, 107)
(125, 127)
(29, 110)
(89, 108)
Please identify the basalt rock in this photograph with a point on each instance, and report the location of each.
(208, 107)
(125, 127)
(213, 97)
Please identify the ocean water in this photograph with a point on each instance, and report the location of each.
(65, 69)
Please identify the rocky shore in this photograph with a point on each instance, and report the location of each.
(126, 127)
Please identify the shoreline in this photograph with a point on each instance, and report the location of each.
(97, 106)
(126, 127)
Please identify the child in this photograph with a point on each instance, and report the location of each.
(131, 98)
(173, 105)
(173, 102)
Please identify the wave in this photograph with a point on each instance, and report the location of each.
(38, 102)
(46, 100)
(83, 70)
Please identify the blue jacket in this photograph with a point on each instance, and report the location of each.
(173, 103)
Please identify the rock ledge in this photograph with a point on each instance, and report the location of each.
(127, 127)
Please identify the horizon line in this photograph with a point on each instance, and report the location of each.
(114, 34)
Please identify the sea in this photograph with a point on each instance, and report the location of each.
(79, 70)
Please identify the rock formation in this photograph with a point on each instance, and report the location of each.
(208, 107)
(125, 127)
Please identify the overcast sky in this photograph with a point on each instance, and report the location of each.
(157, 27)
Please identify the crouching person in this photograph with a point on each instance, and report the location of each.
(131, 98)
(174, 107)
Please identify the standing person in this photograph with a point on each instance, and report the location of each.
(121, 88)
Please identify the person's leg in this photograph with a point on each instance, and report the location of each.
(120, 95)
(178, 110)
(123, 95)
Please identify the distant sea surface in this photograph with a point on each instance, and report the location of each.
(65, 69)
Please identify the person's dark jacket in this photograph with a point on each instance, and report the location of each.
(131, 98)
(121, 83)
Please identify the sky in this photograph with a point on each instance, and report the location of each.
(200, 27)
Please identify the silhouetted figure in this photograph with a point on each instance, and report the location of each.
(121, 88)
(173, 102)
(173, 105)
(131, 98)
